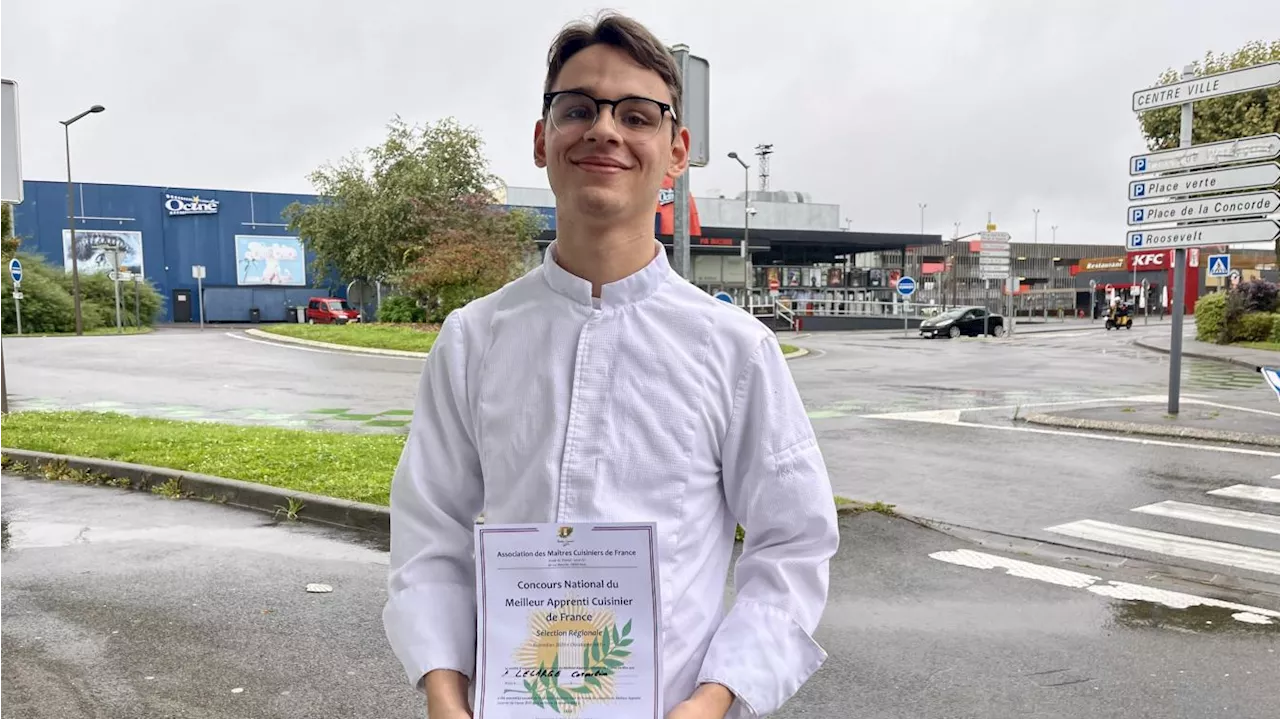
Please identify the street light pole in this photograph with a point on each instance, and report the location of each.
(746, 229)
(71, 217)
(922, 205)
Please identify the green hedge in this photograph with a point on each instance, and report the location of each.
(1254, 327)
(1275, 328)
(1211, 315)
(48, 307)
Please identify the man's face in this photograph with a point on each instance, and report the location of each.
(611, 169)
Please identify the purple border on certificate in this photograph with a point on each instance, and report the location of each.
(654, 601)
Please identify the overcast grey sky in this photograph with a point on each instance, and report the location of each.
(970, 106)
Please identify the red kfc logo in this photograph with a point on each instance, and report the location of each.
(1144, 261)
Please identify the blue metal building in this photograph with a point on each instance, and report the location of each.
(240, 238)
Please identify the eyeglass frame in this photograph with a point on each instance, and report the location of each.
(666, 107)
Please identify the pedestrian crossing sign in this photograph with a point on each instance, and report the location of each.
(1220, 265)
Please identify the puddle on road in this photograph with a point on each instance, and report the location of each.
(1199, 619)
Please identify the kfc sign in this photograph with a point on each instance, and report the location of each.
(1144, 261)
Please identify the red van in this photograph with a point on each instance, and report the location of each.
(330, 310)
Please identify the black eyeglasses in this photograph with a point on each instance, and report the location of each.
(571, 111)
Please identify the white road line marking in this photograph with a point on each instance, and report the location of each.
(951, 417)
(1220, 516)
(1250, 492)
(1173, 545)
(1018, 568)
(1112, 589)
(282, 345)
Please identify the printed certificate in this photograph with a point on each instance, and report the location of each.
(568, 622)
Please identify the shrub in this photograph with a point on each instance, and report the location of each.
(401, 309)
(1275, 328)
(1258, 295)
(1254, 327)
(1211, 315)
(97, 289)
(47, 304)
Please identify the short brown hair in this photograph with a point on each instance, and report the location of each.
(628, 35)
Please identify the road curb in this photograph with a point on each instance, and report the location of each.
(234, 492)
(372, 351)
(1155, 430)
(282, 339)
(1197, 355)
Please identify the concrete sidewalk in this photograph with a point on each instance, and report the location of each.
(1242, 356)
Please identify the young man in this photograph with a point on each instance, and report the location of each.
(602, 387)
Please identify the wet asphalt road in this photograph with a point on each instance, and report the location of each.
(221, 606)
(123, 605)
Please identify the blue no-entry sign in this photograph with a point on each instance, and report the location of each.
(906, 286)
(15, 270)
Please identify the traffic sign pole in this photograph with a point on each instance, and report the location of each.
(15, 273)
(1179, 276)
(906, 287)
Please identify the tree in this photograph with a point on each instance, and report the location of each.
(476, 249)
(417, 211)
(1219, 118)
(10, 242)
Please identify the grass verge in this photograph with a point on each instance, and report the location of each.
(787, 349)
(409, 338)
(346, 466)
(1272, 346)
(356, 467)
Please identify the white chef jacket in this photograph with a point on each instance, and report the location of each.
(655, 402)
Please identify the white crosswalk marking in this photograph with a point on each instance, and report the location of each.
(1113, 589)
(1173, 545)
(1250, 492)
(1220, 516)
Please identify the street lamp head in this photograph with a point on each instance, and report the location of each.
(733, 155)
(97, 108)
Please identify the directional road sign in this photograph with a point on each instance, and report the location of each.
(723, 296)
(1219, 265)
(906, 286)
(1241, 149)
(15, 270)
(1245, 177)
(1224, 233)
(1203, 88)
(1208, 208)
(10, 144)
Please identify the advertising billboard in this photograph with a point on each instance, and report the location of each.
(95, 251)
(268, 260)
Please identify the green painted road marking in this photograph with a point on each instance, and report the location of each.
(403, 412)
(330, 410)
(387, 423)
(354, 417)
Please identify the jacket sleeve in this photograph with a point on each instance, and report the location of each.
(776, 485)
(436, 495)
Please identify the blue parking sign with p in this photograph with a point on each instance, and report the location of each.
(1139, 189)
(1135, 240)
(1140, 164)
(1138, 214)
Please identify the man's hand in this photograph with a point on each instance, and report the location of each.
(710, 701)
(447, 695)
